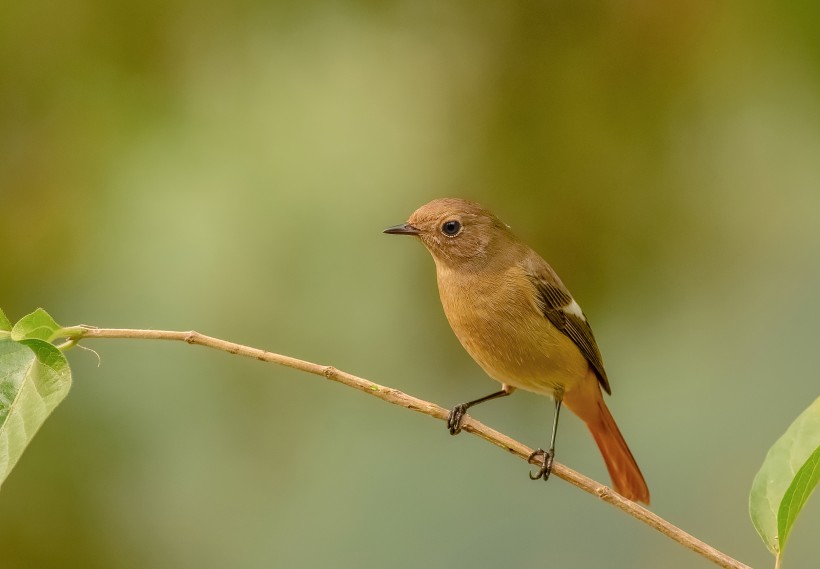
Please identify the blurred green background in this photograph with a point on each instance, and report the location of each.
(228, 167)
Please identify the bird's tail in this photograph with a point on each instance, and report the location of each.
(587, 402)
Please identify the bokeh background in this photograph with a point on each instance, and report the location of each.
(228, 167)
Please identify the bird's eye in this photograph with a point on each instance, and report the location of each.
(451, 228)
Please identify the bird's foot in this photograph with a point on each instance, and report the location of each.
(455, 417)
(542, 458)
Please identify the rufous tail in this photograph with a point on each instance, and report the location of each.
(587, 402)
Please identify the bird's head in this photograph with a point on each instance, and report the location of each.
(457, 232)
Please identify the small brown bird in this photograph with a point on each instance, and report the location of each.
(519, 322)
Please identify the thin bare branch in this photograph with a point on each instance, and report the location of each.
(402, 399)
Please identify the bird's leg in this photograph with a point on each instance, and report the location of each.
(457, 414)
(547, 456)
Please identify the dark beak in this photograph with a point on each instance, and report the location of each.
(403, 229)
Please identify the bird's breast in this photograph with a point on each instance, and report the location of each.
(497, 319)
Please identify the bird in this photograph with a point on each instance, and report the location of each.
(514, 316)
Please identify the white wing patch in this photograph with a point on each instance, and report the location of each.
(574, 309)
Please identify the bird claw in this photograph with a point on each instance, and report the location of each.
(545, 458)
(455, 417)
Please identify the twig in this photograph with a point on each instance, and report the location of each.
(402, 399)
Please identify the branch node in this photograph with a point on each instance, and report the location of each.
(329, 371)
(603, 492)
(190, 336)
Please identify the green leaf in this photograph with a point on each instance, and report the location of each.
(37, 325)
(796, 496)
(5, 325)
(781, 469)
(34, 379)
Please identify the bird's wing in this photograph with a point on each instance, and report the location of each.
(563, 312)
